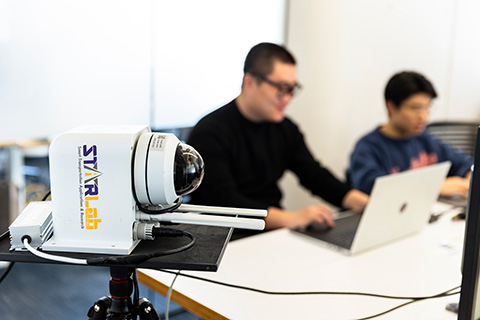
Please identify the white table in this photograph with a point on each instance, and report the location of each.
(423, 264)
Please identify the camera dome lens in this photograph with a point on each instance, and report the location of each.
(188, 169)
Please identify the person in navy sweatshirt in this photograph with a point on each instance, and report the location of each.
(403, 143)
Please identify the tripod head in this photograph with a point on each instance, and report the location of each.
(119, 305)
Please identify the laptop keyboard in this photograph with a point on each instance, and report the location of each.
(343, 238)
(341, 235)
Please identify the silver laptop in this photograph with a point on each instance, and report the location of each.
(399, 205)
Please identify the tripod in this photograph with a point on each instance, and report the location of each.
(119, 305)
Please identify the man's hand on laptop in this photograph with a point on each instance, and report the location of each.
(312, 214)
(278, 218)
(455, 186)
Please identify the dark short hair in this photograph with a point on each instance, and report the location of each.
(404, 84)
(261, 57)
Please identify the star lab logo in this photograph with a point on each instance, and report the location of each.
(91, 175)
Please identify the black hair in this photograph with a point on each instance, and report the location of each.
(404, 84)
(261, 57)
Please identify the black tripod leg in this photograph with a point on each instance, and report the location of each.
(99, 309)
(146, 310)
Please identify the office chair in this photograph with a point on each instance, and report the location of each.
(461, 135)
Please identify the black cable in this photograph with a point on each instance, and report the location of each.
(136, 293)
(139, 258)
(413, 299)
(159, 211)
(4, 235)
(407, 303)
(306, 292)
(390, 310)
(46, 195)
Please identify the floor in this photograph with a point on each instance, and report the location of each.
(52, 291)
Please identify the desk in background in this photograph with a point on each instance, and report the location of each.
(423, 264)
(15, 189)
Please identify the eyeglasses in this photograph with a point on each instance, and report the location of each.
(418, 109)
(283, 88)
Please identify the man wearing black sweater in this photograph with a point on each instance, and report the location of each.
(249, 143)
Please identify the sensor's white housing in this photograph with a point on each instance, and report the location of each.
(154, 167)
(91, 185)
(97, 171)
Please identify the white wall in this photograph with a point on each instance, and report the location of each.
(348, 49)
(162, 63)
(69, 63)
(200, 51)
(465, 75)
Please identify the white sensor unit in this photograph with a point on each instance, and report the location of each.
(91, 185)
(105, 180)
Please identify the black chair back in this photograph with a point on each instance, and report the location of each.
(461, 135)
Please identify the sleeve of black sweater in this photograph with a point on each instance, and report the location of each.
(312, 175)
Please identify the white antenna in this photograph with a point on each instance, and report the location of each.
(229, 211)
(191, 214)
